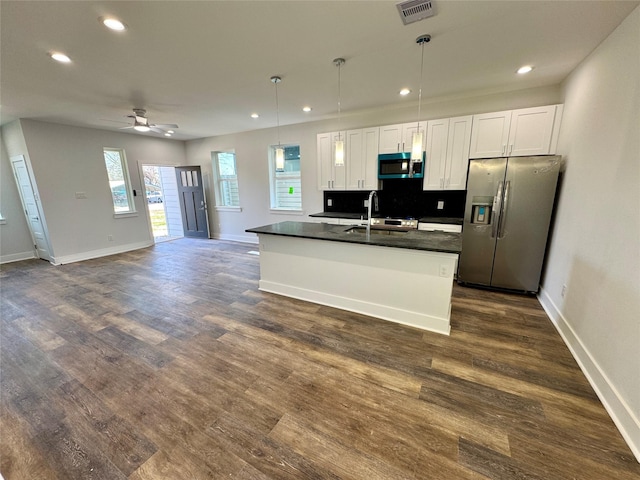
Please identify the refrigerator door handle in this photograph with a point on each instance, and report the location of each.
(496, 211)
(503, 213)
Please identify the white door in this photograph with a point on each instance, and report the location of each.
(32, 210)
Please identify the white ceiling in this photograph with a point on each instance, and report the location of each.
(205, 65)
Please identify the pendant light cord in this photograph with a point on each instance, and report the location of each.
(277, 109)
(338, 62)
(420, 91)
(422, 39)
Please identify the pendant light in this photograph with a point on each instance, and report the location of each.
(416, 143)
(339, 146)
(279, 150)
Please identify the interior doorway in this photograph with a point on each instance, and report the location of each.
(161, 193)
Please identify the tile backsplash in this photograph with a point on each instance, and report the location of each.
(400, 198)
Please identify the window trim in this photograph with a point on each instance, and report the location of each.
(272, 180)
(132, 211)
(219, 206)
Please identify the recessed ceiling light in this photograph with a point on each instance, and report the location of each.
(170, 131)
(306, 109)
(255, 115)
(525, 69)
(59, 57)
(167, 134)
(113, 24)
(405, 91)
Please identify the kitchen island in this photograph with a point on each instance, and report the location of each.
(400, 276)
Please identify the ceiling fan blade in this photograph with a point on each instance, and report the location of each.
(125, 128)
(165, 125)
(155, 129)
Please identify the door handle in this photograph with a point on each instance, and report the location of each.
(495, 213)
(503, 213)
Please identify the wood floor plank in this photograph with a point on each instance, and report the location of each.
(168, 362)
(20, 456)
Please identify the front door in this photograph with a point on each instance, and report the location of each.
(31, 207)
(192, 202)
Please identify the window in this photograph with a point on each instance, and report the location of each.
(119, 183)
(224, 168)
(286, 191)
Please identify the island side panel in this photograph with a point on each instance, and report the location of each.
(411, 287)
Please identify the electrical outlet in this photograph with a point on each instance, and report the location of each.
(440, 205)
(329, 202)
(366, 204)
(444, 271)
(564, 290)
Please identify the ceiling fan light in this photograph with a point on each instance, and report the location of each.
(141, 128)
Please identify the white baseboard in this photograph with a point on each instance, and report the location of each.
(17, 257)
(623, 417)
(103, 252)
(393, 314)
(252, 238)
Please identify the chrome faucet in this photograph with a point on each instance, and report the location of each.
(372, 194)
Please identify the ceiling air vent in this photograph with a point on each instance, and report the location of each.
(414, 10)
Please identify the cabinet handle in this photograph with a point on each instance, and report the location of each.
(510, 148)
(398, 146)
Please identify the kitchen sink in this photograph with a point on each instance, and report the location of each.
(375, 231)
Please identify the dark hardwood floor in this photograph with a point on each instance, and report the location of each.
(168, 363)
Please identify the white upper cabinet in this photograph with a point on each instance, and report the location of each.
(362, 159)
(390, 139)
(448, 142)
(528, 131)
(399, 138)
(330, 176)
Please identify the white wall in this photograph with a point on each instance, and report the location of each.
(15, 239)
(251, 153)
(66, 160)
(595, 249)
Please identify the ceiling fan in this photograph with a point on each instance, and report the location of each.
(141, 123)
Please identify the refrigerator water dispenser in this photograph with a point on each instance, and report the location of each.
(481, 210)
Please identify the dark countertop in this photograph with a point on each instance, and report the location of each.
(350, 216)
(358, 216)
(412, 239)
(448, 220)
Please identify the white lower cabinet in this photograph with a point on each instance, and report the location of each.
(448, 142)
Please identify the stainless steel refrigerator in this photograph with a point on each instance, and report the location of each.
(506, 221)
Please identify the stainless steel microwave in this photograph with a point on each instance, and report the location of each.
(399, 165)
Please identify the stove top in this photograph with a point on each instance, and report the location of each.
(406, 223)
